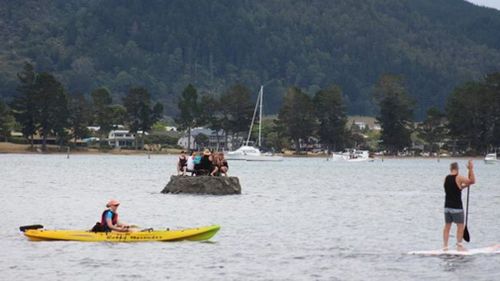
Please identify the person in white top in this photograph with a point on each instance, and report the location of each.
(190, 163)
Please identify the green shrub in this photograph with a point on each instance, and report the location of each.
(17, 140)
(163, 139)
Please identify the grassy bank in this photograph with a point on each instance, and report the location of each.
(7, 147)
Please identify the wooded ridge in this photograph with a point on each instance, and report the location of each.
(435, 45)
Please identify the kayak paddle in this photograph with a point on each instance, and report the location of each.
(33, 226)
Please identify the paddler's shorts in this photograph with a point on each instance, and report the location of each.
(453, 215)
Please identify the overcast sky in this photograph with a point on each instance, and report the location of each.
(488, 3)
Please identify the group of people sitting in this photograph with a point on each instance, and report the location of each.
(202, 164)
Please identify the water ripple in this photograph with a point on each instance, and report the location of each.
(301, 219)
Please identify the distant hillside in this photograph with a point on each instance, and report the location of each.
(163, 45)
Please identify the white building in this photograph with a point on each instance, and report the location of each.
(121, 138)
(361, 125)
(212, 139)
(93, 129)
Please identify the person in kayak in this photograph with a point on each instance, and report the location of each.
(109, 218)
(453, 209)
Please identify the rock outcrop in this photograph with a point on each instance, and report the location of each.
(203, 185)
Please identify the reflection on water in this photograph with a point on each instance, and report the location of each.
(452, 263)
(300, 219)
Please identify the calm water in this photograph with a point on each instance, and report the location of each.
(301, 219)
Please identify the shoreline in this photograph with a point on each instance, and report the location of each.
(12, 148)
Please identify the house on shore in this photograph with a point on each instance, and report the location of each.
(117, 138)
(363, 123)
(205, 138)
(121, 138)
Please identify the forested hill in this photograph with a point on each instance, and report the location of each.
(164, 45)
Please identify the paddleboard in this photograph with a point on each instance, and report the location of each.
(451, 252)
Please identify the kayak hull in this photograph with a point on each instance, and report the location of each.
(191, 234)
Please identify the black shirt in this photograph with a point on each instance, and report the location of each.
(453, 193)
(205, 163)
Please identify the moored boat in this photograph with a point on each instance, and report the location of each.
(352, 155)
(251, 153)
(490, 158)
(149, 235)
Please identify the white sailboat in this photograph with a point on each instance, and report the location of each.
(251, 153)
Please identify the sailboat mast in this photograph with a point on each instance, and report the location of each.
(253, 118)
(261, 94)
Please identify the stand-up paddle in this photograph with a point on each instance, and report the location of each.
(466, 231)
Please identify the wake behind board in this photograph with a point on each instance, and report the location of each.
(470, 252)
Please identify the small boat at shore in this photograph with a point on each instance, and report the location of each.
(37, 233)
(490, 158)
(352, 155)
(250, 153)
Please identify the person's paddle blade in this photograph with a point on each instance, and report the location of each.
(466, 234)
(33, 226)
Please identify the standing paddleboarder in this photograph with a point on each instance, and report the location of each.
(453, 209)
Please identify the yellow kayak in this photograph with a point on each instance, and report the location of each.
(192, 234)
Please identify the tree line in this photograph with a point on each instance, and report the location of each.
(469, 124)
(42, 106)
(470, 121)
(300, 117)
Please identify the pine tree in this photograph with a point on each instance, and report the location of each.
(297, 116)
(51, 105)
(6, 120)
(140, 114)
(330, 111)
(23, 104)
(189, 111)
(103, 113)
(80, 116)
(396, 113)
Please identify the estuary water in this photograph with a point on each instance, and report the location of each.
(300, 219)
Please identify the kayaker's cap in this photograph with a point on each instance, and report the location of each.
(112, 202)
(206, 152)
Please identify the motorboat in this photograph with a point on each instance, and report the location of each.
(352, 155)
(490, 158)
(250, 153)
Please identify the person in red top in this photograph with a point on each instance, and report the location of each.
(453, 209)
(109, 218)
